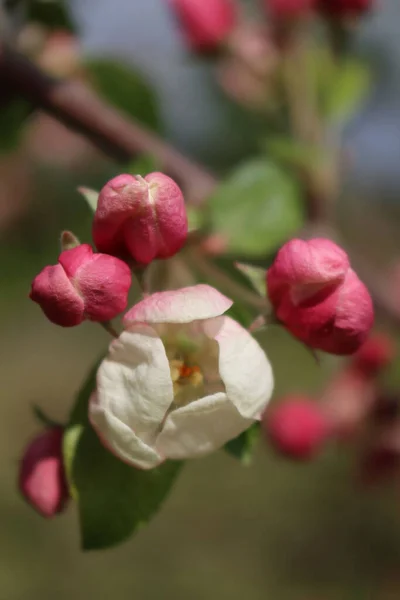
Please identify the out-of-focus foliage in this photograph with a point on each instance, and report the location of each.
(256, 208)
(125, 89)
(51, 13)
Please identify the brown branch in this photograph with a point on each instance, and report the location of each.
(79, 108)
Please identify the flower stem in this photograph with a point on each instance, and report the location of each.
(108, 326)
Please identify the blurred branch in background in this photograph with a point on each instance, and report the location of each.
(78, 107)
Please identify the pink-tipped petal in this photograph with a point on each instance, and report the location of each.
(179, 306)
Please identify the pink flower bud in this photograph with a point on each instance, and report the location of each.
(289, 9)
(205, 24)
(83, 285)
(318, 297)
(344, 8)
(140, 217)
(42, 479)
(296, 427)
(375, 354)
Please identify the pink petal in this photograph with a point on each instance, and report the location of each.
(179, 306)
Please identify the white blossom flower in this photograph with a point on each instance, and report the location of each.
(180, 381)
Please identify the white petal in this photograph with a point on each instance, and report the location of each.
(134, 382)
(200, 427)
(179, 306)
(243, 366)
(120, 439)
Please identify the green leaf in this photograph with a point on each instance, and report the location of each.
(256, 276)
(293, 152)
(126, 90)
(348, 86)
(244, 445)
(91, 197)
(256, 208)
(114, 499)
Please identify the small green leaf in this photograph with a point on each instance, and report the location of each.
(125, 89)
(244, 445)
(114, 499)
(68, 241)
(91, 197)
(256, 208)
(256, 276)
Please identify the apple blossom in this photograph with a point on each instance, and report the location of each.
(297, 427)
(180, 381)
(83, 285)
(144, 218)
(318, 297)
(205, 24)
(42, 479)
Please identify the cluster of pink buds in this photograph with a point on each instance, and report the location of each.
(352, 408)
(137, 219)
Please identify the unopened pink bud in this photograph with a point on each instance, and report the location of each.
(318, 297)
(144, 218)
(42, 480)
(205, 23)
(83, 285)
(296, 427)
